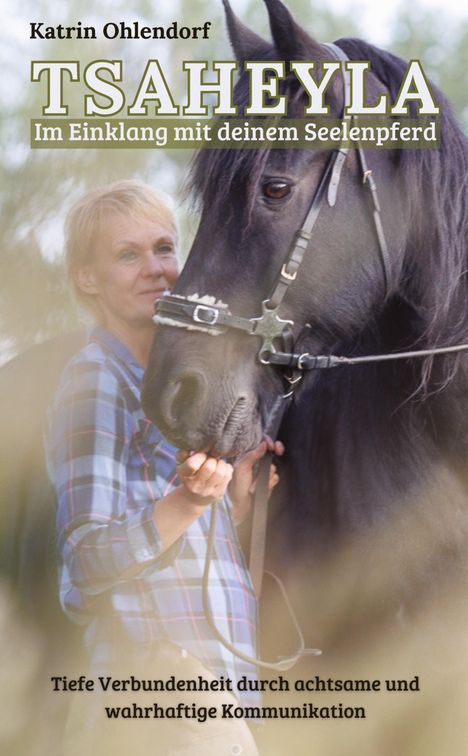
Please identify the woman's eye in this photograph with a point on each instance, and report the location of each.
(166, 249)
(127, 255)
(276, 190)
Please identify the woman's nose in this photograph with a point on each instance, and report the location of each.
(152, 265)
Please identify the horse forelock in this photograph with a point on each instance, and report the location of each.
(216, 173)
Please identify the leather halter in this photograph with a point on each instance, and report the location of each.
(215, 319)
(176, 310)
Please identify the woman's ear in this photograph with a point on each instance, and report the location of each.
(86, 280)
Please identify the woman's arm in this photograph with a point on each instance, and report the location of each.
(103, 539)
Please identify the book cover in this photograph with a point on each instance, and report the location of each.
(367, 528)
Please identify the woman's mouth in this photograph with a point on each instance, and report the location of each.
(154, 293)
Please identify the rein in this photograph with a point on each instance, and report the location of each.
(208, 316)
(306, 361)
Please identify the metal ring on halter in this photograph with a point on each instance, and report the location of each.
(264, 360)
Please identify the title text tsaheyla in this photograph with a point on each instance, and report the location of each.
(215, 82)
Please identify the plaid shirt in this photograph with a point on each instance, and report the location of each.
(109, 464)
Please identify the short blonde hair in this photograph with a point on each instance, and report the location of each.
(128, 197)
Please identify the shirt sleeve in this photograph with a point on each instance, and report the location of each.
(99, 538)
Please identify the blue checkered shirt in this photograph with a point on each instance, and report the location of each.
(109, 464)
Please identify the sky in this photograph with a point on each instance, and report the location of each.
(375, 15)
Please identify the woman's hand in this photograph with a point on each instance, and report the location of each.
(203, 481)
(204, 477)
(243, 483)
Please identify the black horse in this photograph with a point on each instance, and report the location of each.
(371, 516)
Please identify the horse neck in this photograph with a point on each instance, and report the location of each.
(359, 442)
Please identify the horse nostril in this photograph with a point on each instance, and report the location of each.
(182, 396)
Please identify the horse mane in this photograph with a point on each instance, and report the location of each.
(433, 285)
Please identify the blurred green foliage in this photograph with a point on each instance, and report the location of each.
(38, 187)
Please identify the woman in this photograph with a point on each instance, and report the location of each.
(131, 523)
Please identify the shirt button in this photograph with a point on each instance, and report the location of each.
(236, 749)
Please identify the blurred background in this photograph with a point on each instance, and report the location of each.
(37, 188)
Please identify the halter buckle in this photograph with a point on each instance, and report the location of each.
(293, 380)
(286, 275)
(300, 360)
(205, 315)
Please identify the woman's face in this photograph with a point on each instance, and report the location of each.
(133, 262)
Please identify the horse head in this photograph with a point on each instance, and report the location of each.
(209, 391)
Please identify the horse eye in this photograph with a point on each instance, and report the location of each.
(276, 190)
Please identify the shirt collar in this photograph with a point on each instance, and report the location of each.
(118, 349)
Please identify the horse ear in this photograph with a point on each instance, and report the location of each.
(245, 43)
(291, 41)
